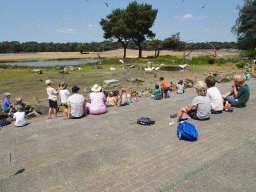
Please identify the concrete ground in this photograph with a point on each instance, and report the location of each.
(111, 152)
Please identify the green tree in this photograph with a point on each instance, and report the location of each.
(115, 28)
(245, 25)
(81, 47)
(138, 19)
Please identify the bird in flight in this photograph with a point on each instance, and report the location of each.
(106, 4)
(202, 7)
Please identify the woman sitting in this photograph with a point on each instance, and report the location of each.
(97, 105)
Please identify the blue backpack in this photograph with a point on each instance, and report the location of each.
(4, 122)
(187, 131)
(145, 121)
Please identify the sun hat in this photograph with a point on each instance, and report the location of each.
(200, 85)
(63, 85)
(7, 94)
(19, 108)
(96, 88)
(18, 100)
(47, 82)
(75, 89)
(128, 95)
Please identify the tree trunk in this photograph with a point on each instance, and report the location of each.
(140, 51)
(125, 51)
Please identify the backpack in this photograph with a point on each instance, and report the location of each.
(4, 122)
(187, 131)
(145, 121)
(135, 99)
(159, 96)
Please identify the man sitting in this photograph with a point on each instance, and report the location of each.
(76, 104)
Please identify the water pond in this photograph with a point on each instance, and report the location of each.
(53, 63)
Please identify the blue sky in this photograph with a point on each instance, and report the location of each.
(62, 21)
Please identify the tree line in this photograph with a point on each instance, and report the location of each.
(27, 47)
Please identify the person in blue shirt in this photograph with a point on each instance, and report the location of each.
(7, 106)
(248, 76)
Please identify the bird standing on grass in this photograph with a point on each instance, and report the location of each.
(121, 61)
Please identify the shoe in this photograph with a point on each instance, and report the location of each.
(173, 115)
(49, 117)
(174, 122)
(55, 116)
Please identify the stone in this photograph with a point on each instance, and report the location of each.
(139, 93)
(230, 78)
(87, 90)
(133, 79)
(3, 115)
(115, 91)
(71, 68)
(110, 82)
(189, 85)
(41, 109)
(219, 78)
(33, 114)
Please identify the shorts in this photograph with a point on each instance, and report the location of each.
(7, 109)
(53, 104)
(231, 100)
(215, 112)
(193, 114)
(166, 89)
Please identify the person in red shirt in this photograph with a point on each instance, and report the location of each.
(165, 86)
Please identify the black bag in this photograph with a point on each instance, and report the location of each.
(145, 121)
(4, 122)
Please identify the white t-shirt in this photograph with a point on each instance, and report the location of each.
(77, 103)
(216, 98)
(64, 95)
(52, 93)
(20, 118)
(203, 106)
(180, 88)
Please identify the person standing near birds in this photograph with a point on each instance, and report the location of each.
(52, 96)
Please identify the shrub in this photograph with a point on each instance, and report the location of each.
(3, 66)
(241, 64)
(211, 60)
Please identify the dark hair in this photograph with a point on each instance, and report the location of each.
(157, 86)
(181, 81)
(161, 78)
(210, 81)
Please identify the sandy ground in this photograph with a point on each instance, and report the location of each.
(41, 56)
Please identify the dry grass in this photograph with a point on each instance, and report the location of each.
(109, 54)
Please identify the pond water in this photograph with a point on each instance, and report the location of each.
(53, 63)
(172, 68)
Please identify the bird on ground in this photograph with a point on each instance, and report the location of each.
(149, 62)
(183, 66)
(106, 4)
(112, 68)
(161, 64)
(157, 68)
(121, 61)
(149, 68)
(79, 68)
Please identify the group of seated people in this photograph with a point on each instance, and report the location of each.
(210, 101)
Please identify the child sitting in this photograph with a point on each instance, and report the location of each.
(111, 101)
(7, 106)
(200, 109)
(240, 92)
(214, 94)
(122, 99)
(157, 95)
(248, 76)
(129, 98)
(64, 98)
(19, 117)
(180, 87)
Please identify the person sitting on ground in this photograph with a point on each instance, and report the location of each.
(19, 117)
(214, 94)
(165, 87)
(76, 104)
(52, 96)
(200, 109)
(26, 106)
(248, 76)
(157, 95)
(64, 98)
(98, 99)
(180, 87)
(111, 101)
(129, 98)
(122, 98)
(240, 94)
(7, 106)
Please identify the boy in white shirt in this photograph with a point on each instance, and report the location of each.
(52, 96)
(64, 98)
(20, 116)
(214, 94)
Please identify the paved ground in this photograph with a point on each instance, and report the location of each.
(112, 153)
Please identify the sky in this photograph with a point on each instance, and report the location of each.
(62, 21)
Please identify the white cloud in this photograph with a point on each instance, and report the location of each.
(187, 16)
(200, 18)
(177, 17)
